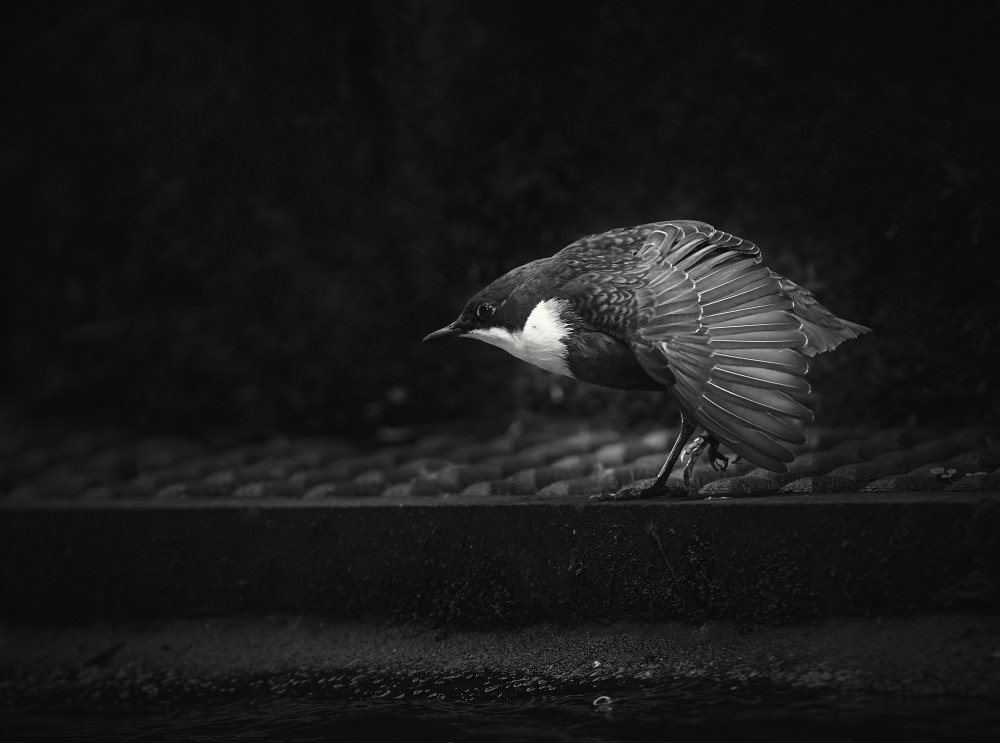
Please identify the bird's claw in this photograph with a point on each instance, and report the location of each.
(717, 459)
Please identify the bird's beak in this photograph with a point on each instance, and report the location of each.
(446, 332)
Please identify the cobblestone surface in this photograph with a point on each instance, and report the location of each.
(554, 460)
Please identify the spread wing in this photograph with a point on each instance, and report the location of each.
(715, 320)
(707, 320)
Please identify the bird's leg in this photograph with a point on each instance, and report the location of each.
(659, 486)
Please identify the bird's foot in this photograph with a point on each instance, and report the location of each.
(692, 452)
(640, 492)
(627, 493)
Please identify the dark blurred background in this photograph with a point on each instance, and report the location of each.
(245, 216)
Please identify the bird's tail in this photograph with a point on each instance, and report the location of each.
(824, 331)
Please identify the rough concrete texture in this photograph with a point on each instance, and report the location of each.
(235, 658)
(491, 561)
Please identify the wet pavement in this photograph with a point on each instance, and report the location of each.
(233, 658)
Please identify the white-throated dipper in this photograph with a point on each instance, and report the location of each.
(672, 305)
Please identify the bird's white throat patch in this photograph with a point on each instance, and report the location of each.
(540, 342)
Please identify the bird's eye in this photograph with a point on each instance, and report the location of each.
(486, 310)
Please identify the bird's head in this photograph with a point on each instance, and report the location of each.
(519, 313)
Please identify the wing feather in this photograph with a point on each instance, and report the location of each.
(739, 297)
(731, 285)
(703, 271)
(790, 432)
(764, 305)
(824, 330)
(766, 378)
(787, 361)
(763, 320)
(765, 399)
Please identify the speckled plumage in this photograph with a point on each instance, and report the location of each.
(679, 305)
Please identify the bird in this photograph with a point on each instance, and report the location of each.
(677, 306)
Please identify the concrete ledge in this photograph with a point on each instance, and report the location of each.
(494, 560)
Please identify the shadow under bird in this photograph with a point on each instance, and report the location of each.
(672, 305)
